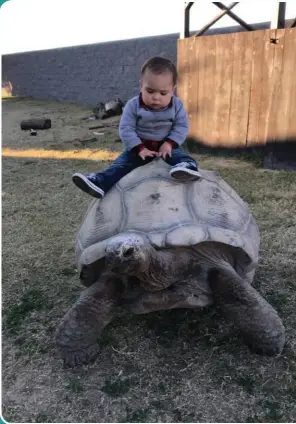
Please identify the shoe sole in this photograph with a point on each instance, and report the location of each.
(87, 186)
(185, 174)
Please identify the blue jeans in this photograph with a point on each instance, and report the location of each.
(128, 161)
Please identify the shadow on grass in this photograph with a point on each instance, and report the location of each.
(275, 154)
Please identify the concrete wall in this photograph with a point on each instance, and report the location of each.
(90, 73)
(84, 74)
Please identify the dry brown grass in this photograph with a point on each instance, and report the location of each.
(171, 366)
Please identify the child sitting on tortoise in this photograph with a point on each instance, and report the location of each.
(153, 124)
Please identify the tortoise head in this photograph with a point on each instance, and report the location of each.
(127, 255)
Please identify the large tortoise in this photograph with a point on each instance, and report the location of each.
(155, 243)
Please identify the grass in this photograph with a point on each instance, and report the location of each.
(31, 300)
(170, 366)
(118, 387)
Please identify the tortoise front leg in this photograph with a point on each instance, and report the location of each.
(259, 323)
(76, 335)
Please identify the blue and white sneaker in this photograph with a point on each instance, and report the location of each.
(88, 184)
(185, 171)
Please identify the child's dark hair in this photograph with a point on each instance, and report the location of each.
(160, 65)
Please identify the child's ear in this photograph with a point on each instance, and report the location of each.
(141, 83)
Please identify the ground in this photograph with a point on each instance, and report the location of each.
(171, 366)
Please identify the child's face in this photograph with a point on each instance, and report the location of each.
(157, 89)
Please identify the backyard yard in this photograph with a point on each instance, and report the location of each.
(170, 366)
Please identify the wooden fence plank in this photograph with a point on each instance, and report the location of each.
(241, 89)
(222, 88)
(199, 128)
(291, 35)
(192, 96)
(274, 120)
(266, 84)
(182, 66)
(195, 87)
(207, 109)
(205, 65)
(286, 105)
(256, 85)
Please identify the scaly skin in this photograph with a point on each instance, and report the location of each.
(156, 269)
(76, 335)
(258, 322)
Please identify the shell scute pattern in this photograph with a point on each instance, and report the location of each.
(167, 213)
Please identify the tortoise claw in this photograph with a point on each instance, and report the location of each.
(78, 357)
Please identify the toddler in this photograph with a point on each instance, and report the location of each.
(153, 124)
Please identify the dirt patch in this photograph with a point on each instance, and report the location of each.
(172, 366)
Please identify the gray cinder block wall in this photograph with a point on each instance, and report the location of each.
(90, 73)
(84, 74)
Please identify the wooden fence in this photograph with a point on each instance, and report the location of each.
(239, 89)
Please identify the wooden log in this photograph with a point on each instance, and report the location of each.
(36, 124)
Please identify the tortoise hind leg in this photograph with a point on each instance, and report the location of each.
(259, 323)
(76, 335)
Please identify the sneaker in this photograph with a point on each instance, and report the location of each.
(88, 184)
(185, 171)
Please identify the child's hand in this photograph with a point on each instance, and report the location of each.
(165, 149)
(146, 153)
